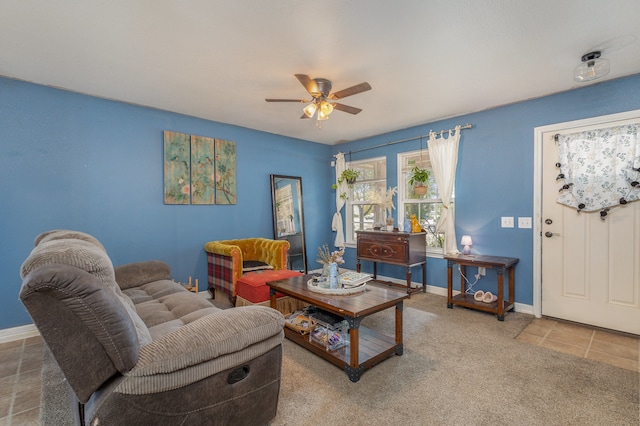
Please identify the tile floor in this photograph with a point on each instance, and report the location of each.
(20, 369)
(619, 349)
(21, 361)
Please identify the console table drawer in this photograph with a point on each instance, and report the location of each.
(384, 250)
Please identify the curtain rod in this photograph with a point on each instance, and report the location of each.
(465, 126)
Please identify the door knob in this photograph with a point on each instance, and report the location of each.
(550, 234)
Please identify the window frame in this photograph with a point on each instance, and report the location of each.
(349, 220)
(436, 252)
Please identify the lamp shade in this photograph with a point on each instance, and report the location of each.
(310, 109)
(322, 115)
(467, 243)
(326, 107)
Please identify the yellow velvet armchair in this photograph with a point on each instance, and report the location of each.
(226, 258)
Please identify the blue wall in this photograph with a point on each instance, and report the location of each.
(79, 162)
(495, 172)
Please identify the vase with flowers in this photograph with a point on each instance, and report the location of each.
(385, 200)
(330, 261)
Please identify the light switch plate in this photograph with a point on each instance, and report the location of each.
(507, 221)
(524, 222)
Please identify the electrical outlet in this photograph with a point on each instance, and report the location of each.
(482, 271)
(524, 222)
(507, 221)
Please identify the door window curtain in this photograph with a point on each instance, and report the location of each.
(443, 153)
(599, 169)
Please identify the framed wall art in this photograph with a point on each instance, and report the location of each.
(198, 169)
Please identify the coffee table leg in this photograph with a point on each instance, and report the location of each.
(399, 344)
(272, 296)
(354, 370)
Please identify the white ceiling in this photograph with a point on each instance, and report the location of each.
(219, 59)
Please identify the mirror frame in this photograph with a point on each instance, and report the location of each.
(299, 209)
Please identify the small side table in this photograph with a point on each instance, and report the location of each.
(501, 264)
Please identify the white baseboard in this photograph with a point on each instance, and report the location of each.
(18, 333)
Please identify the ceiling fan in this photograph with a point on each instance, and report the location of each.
(322, 98)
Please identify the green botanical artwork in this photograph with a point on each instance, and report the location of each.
(202, 170)
(198, 170)
(225, 172)
(177, 168)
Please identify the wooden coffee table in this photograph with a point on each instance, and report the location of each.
(367, 347)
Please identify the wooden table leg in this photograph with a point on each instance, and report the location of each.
(449, 284)
(500, 300)
(399, 344)
(424, 277)
(463, 284)
(354, 370)
(272, 298)
(408, 277)
(512, 285)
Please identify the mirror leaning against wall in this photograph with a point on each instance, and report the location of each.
(288, 218)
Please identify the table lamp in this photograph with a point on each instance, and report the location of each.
(467, 243)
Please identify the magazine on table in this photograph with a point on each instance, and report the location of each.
(352, 279)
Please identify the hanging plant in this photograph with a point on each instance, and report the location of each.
(349, 176)
(418, 179)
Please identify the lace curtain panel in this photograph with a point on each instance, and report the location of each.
(336, 223)
(443, 153)
(599, 169)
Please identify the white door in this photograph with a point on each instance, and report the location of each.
(590, 268)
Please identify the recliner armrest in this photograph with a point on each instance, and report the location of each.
(139, 273)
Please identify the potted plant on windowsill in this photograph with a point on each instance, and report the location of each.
(418, 179)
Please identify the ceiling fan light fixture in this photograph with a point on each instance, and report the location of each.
(310, 109)
(322, 116)
(591, 68)
(326, 108)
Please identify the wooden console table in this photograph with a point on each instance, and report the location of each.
(501, 264)
(395, 248)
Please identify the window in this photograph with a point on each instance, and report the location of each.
(428, 207)
(284, 206)
(362, 213)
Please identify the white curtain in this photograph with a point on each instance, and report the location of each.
(443, 153)
(597, 168)
(336, 224)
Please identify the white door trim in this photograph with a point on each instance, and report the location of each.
(537, 190)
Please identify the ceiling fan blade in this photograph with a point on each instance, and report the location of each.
(309, 84)
(349, 91)
(346, 108)
(286, 100)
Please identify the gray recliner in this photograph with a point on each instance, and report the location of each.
(137, 348)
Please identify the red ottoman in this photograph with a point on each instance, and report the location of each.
(252, 289)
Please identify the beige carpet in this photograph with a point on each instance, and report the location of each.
(460, 367)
